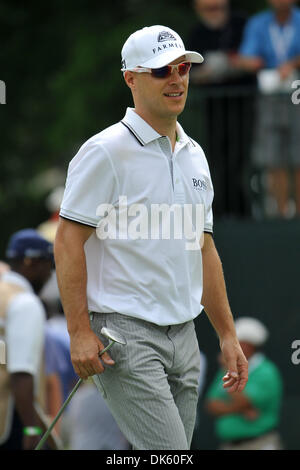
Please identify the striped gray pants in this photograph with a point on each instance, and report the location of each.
(152, 390)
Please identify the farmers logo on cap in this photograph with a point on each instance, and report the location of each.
(165, 36)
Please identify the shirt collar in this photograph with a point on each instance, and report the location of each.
(15, 278)
(183, 137)
(144, 133)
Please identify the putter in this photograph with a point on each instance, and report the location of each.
(114, 337)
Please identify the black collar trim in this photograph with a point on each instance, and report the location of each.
(132, 131)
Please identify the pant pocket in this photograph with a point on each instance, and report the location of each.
(97, 322)
(99, 385)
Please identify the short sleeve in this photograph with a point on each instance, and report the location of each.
(208, 223)
(208, 220)
(91, 182)
(251, 42)
(25, 330)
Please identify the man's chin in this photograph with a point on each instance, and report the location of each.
(176, 110)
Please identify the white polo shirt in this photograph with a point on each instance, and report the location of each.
(152, 278)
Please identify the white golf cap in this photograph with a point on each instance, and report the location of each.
(250, 330)
(154, 47)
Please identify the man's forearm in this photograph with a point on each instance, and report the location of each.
(72, 279)
(214, 297)
(248, 64)
(22, 386)
(238, 404)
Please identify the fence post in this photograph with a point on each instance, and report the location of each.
(2, 92)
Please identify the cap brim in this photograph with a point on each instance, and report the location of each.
(168, 57)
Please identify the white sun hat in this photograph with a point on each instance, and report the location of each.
(251, 330)
(154, 47)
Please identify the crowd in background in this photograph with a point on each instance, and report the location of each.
(256, 58)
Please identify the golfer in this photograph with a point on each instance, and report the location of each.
(146, 285)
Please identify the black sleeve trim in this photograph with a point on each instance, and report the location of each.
(77, 221)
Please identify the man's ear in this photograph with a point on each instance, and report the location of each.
(129, 79)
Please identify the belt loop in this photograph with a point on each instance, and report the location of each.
(91, 316)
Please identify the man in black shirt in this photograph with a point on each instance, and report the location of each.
(217, 35)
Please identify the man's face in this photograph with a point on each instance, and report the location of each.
(211, 11)
(153, 96)
(281, 4)
(41, 269)
(212, 5)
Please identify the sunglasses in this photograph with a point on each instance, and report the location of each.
(166, 71)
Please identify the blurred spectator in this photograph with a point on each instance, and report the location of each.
(249, 420)
(22, 321)
(271, 47)
(57, 332)
(61, 376)
(92, 426)
(4, 267)
(218, 36)
(48, 228)
(52, 364)
(58, 354)
(225, 95)
(54, 391)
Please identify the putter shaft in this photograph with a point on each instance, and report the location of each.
(72, 393)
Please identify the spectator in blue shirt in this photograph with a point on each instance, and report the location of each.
(271, 47)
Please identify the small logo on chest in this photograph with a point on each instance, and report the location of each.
(199, 185)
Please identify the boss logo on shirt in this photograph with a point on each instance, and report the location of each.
(199, 185)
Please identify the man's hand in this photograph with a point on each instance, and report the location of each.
(285, 70)
(250, 64)
(236, 364)
(30, 442)
(85, 348)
